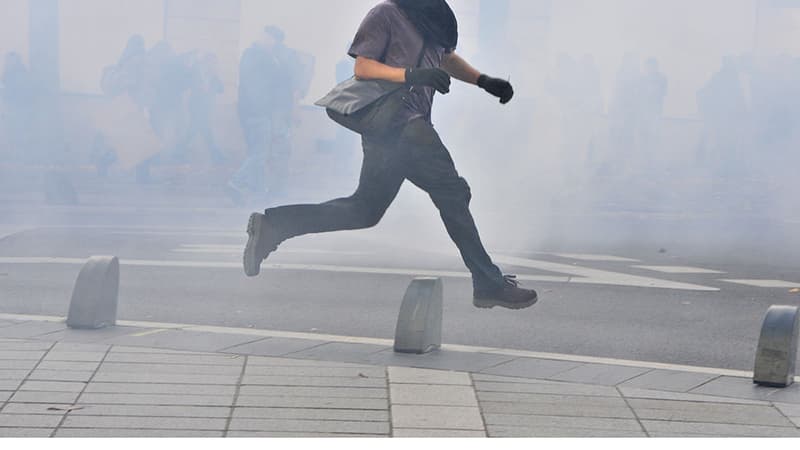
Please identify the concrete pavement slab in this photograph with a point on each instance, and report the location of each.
(601, 374)
(478, 377)
(68, 366)
(261, 361)
(8, 374)
(313, 402)
(10, 385)
(500, 431)
(74, 356)
(31, 329)
(28, 421)
(557, 409)
(156, 399)
(5, 395)
(594, 423)
(442, 395)
(278, 434)
(313, 426)
(25, 432)
(36, 408)
(52, 386)
(427, 376)
(88, 336)
(335, 351)
(663, 395)
(708, 412)
(23, 346)
(678, 428)
(744, 388)
(175, 369)
(303, 391)
(15, 364)
(159, 378)
(668, 380)
(437, 417)
(219, 412)
(23, 355)
(362, 372)
(532, 368)
(351, 415)
(274, 347)
(174, 358)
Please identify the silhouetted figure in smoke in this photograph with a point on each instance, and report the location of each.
(652, 92)
(205, 86)
(624, 116)
(388, 45)
(19, 101)
(267, 93)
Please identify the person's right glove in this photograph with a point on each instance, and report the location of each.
(501, 89)
(435, 78)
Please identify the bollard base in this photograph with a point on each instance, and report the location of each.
(777, 348)
(94, 300)
(419, 325)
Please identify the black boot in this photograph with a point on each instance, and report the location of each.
(509, 295)
(263, 239)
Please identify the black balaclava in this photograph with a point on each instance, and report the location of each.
(434, 19)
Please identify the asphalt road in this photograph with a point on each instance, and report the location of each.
(600, 304)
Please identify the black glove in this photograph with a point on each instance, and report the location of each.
(435, 78)
(499, 88)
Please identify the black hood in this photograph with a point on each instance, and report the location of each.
(434, 19)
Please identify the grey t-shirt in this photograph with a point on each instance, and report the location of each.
(386, 35)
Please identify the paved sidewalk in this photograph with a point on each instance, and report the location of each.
(161, 380)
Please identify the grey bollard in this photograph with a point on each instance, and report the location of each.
(419, 326)
(95, 297)
(777, 347)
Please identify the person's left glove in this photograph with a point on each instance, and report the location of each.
(501, 89)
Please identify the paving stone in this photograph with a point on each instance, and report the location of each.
(5, 395)
(275, 347)
(25, 432)
(601, 374)
(80, 347)
(532, 368)
(183, 340)
(676, 428)
(155, 351)
(75, 356)
(10, 385)
(36, 408)
(169, 358)
(744, 388)
(220, 412)
(172, 369)
(442, 360)
(156, 399)
(363, 372)
(358, 353)
(60, 375)
(151, 423)
(44, 397)
(420, 394)
(437, 417)
(28, 421)
(550, 388)
(64, 366)
(16, 364)
(278, 434)
(661, 395)
(146, 377)
(9, 374)
(52, 386)
(312, 414)
(419, 433)
(155, 388)
(594, 423)
(89, 336)
(261, 361)
(668, 380)
(558, 409)
(314, 381)
(313, 402)
(559, 432)
(292, 391)
(504, 379)
(21, 355)
(426, 376)
(708, 412)
(24, 346)
(312, 426)
(31, 329)
(130, 433)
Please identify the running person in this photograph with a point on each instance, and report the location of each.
(387, 47)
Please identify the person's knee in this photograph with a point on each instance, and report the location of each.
(457, 191)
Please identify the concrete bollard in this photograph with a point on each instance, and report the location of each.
(96, 294)
(777, 348)
(419, 326)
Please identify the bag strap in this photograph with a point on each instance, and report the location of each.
(422, 54)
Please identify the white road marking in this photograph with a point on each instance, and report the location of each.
(596, 276)
(680, 270)
(594, 258)
(772, 284)
(390, 343)
(238, 249)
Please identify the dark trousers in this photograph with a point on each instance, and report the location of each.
(419, 156)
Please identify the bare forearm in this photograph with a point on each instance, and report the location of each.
(460, 69)
(369, 69)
